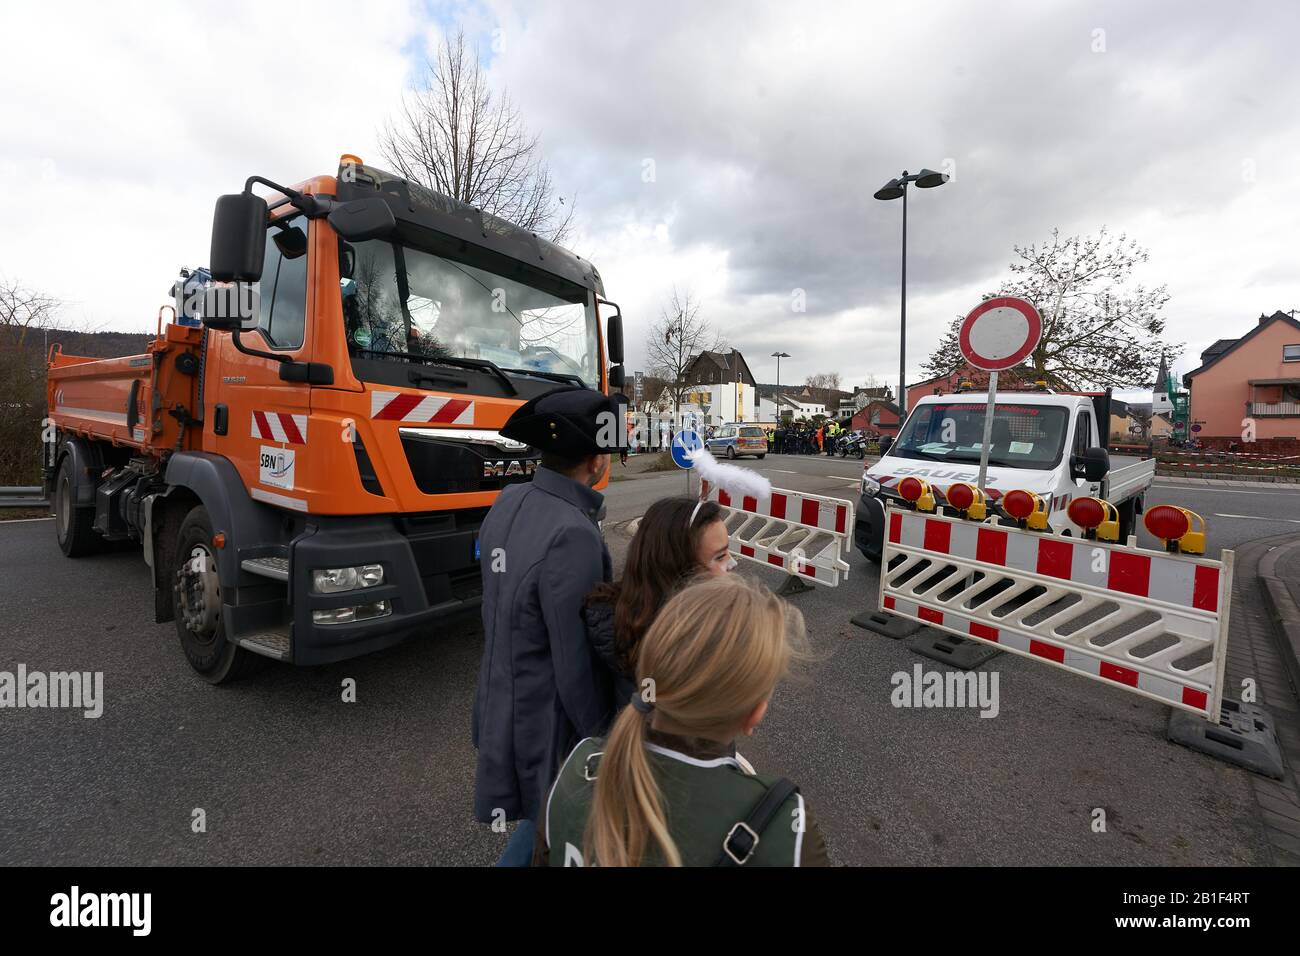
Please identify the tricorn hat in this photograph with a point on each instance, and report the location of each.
(571, 421)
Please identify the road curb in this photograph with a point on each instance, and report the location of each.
(1282, 611)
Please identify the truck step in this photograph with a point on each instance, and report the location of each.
(275, 568)
(273, 643)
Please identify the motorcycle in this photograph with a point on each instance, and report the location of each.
(855, 445)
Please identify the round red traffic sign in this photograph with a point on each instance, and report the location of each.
(1000, 333)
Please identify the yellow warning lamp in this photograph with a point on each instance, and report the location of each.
(967, 499)
(917, 492)
(1177, 527)
(1041, 385)
(348, 159)
(1029, 509)
(1098, 518)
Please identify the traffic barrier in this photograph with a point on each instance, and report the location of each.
(807, 535)
(1149, 621)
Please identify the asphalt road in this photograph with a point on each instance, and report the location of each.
(286, 772)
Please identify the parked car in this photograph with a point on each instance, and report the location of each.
(736, 440)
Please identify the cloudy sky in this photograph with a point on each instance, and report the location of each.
(767, 127)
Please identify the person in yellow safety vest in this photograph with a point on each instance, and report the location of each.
(771, 439)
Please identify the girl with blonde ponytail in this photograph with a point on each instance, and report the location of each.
(666, 787)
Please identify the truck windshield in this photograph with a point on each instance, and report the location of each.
(407, 303)
(1024, 436)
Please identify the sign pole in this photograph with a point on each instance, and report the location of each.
(988, 432)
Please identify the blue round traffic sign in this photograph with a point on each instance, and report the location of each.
(685, 442)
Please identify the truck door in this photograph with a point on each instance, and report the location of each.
(266, 430)
(1084, 438)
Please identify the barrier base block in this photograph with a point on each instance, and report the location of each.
(951, 649)
(884, 623)
(793, 584)
(1245, 735)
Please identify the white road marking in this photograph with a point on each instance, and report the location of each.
(1260, 518)
(782, 471)
(24, 520)
(1218, 491)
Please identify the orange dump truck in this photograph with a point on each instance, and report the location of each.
(307, 463)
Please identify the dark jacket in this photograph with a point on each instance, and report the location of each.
(541, 688)
(598, 616)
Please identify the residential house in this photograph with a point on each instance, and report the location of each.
(1256, 377)
(719, 388)
(1022, 376)
(878, 417)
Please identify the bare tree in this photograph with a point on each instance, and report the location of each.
(22, 311)
(24, 315)
(679, 335)
(455, 137)
(1098, 329)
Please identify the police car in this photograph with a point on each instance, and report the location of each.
(735, 439)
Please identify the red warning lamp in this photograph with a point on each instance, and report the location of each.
(1086, 512)
(961, 496)
(1167, 522)
(1019, 504)
(917, 492)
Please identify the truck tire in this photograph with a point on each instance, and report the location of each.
(73, 527)
(1127, 519)
(196, 600)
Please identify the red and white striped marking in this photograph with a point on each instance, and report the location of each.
(1141, 619)
(425, 409)
(280, 426)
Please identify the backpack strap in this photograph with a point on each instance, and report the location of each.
(743, 838)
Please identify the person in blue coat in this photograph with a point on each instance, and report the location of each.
(541, 688)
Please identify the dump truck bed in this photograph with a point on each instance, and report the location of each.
(128, 401)
(1128, 477)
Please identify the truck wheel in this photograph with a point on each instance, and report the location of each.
(74, 527)
(196, 599)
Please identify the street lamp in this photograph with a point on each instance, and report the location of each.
(895, 189)
(778, 356)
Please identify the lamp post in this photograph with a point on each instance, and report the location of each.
(895, 189)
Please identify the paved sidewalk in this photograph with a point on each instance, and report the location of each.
(1254, 652)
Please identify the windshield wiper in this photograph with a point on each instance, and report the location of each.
(553, 376)
(482, 365)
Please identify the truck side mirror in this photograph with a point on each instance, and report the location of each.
(1093, 466)
(238, 238)
(362, 219)
(617, 377)
(614, 338)
(886, 443)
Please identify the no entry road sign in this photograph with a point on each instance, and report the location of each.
(1000, 333)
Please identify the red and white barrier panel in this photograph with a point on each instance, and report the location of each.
(807, 535)
(1152, 622)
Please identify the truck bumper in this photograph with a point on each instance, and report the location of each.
(869, 527)
(430, 567)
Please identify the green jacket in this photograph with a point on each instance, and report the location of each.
(705, 791)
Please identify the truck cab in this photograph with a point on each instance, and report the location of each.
(1047, 443)
(312, 487)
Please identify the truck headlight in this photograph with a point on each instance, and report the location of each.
(869, 485)
(351, 615)
(334, 580)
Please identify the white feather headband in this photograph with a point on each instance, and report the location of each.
(735, 481)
